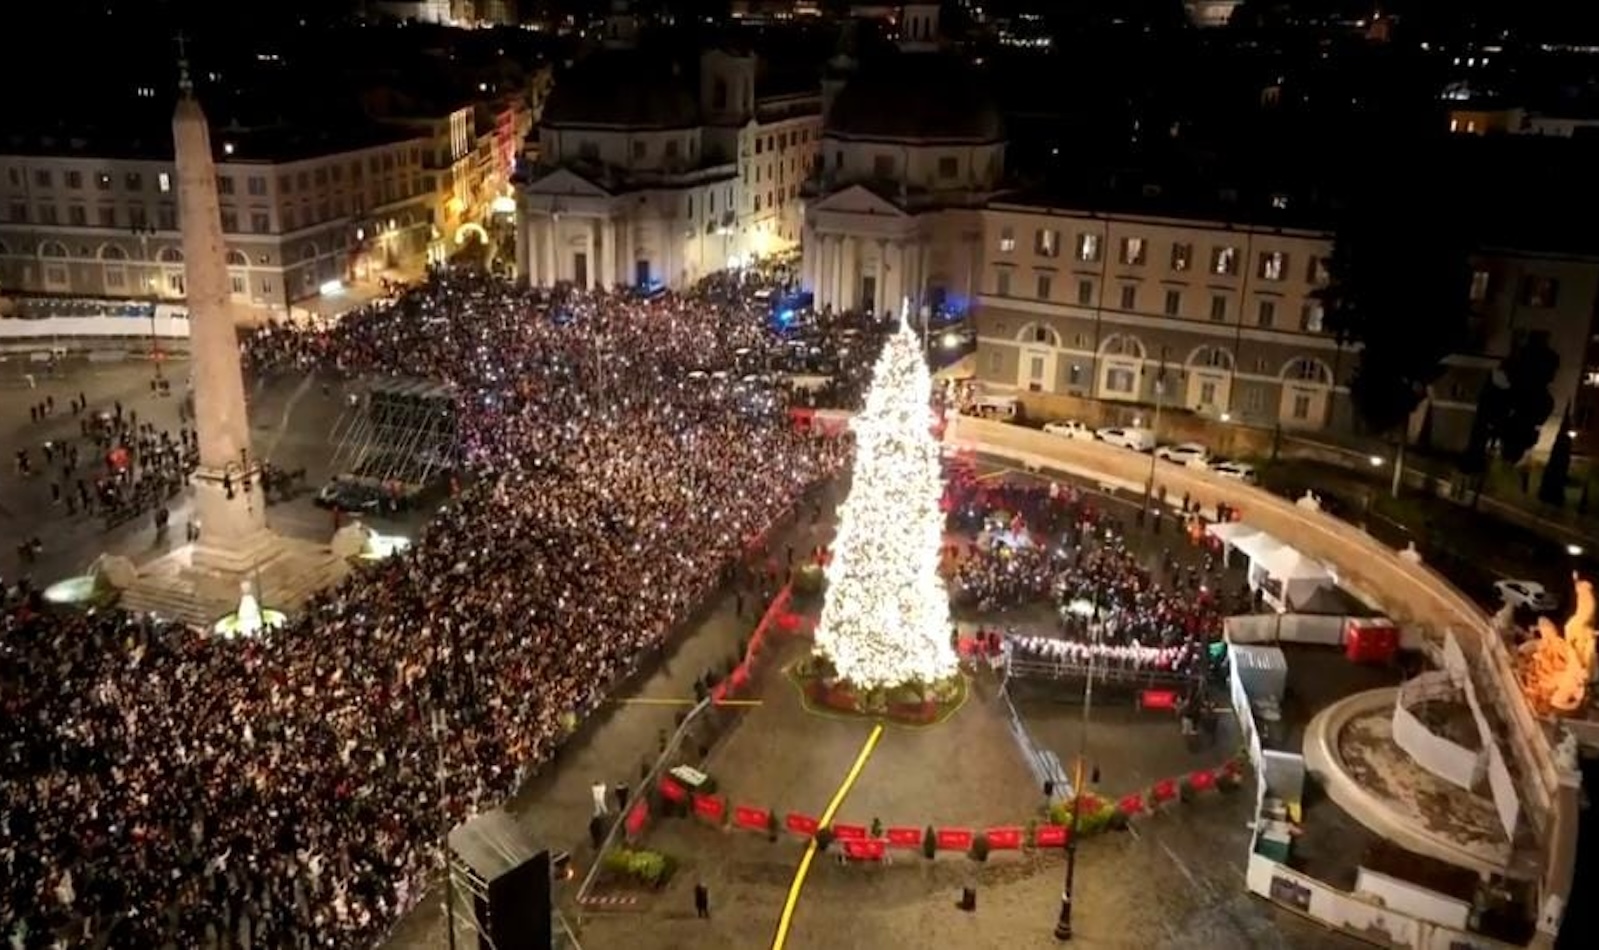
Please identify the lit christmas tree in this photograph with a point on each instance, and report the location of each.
(886, 618)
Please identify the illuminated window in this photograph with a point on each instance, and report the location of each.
(1224, 261)
(1046, 242)
(1272, 265)
(1133, 250)
(164, 182)
(1007, 240)
(1088, 247)
(1182, 256)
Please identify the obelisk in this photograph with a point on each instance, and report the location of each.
(228, 497)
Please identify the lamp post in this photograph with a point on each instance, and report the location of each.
(1154, 430)
(1063, 924)
(444, 838)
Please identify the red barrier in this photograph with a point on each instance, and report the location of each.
(1161, 699)
(709, 807)
(1165, 790)
(1050, 836)
(868, 849)
(1203, 780)
(905, 837)
(1131, 805)
(1008, 838)
(802, 418)
(671, 791)
(800, 824)
(954, 839)
(637, 817)
(849, 832)
(755, 819)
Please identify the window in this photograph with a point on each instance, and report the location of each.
(260, 223)
(1218, 309)
(1007, 240)
(19, 213)
(757, 202)
(55, 274)
(163, 181)
(1316, 270)
(1174, 302)
(1119, 379)
(256, 184)
(225, 183)
(107, 215)
(166, 218)
(1224, 261)
(948, 166)
(1479, 286)
(1088, 247)
(43, 178)
(1266, 314)
(1133, 251)
(1043, 335)
(1074, 375)
(74, 179)
(102, 182)
(671, 149)
(1310, 316)
(14, 175)
(47, 214)
(230, 224)
(78, 216)
(175, 283)
(1254, 399)
(1182, 256)
(1301, 406)
(1085, 293)
(996, 362)
(1043, 286)
(1046, 242)
(114, 278)
(1306, 370)
(587, 151)
(266, 285)
(883, 166)
(1002, 282)
(237, 283)
(138, 217)
(288, 219)
(1539, 291)
(638, 149)
(1273, 264)
(1129, 296)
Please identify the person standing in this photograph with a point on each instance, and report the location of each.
(599, 792)
(620, 792)
(702, 901)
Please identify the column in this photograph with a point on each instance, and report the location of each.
(608, 252)
(624, 230)
(835, 281)
(591, 264)
(823, 288)
(882, 277)
(551, 229)
(807, 259)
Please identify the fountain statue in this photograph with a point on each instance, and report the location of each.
(1554, 670)
(249, 619)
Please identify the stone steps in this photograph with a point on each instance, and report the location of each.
(172, 590)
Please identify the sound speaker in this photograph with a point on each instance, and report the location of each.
(517, 914)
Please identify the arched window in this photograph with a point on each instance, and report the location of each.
(1307, 370)
(1123, 344)
(169, 255)
(237, 259)
(112, 252)
(52, 249)
(1211, 357)
(309, 253)
(1038, 333)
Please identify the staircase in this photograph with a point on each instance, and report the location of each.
(170, 588)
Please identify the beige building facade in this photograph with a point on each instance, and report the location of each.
(77, 222)
(1220, 318)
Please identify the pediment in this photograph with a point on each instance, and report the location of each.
(858, 199)
(564, 181)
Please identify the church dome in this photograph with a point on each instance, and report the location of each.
(929, 96)
(622, 88)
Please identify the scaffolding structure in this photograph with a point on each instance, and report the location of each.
(499, 883)
(401, 431)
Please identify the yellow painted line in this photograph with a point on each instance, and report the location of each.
(667, 701)
(827, 819)
(999, 474)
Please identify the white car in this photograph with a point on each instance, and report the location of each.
(1184, 453)
(1070, 430)
(1529, 594)
(1127, 437)
(1238, 471)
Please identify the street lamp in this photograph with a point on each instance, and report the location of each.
(1063, 924)
(1154, 430)
(1575, 550)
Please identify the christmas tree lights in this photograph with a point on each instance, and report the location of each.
(886, 618)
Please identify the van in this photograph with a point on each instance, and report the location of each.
(1003, 408)
(1128, 437)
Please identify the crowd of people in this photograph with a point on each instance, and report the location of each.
(165, 788)
(1034, 543)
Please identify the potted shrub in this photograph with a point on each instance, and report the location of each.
(772, 825)
(929, 844)
(979, 852)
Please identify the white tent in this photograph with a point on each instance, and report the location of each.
(1228, 532)
(1258, 547)
(1297, 576)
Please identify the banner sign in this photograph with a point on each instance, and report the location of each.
(709, 806)
(637, 817)
(865, 849)
(672, 791)
(1008, 838)
(800, 824)
(905, 837)
(755, 819)
(849, 832)
(1050, 836)
(954, 839)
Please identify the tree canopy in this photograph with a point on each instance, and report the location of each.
(1399, 285)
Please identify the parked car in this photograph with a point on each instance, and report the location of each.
(1184, 453)
(1522, 593)
(1003, 408)
(351, 497)
(1070, 430)
(1128, 437)
(1239, 471)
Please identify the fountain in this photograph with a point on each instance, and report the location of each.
(250, 618)
(1554, 670)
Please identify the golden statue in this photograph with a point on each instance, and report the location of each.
(1554, 670)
